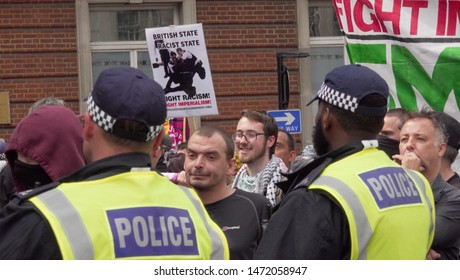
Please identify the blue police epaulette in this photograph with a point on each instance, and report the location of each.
(21, 196)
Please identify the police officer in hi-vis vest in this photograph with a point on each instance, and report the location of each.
(352, 201)
(115, 207)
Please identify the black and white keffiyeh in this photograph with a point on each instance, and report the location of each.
(266, 180)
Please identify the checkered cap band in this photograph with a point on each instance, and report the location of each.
(106, 122)
(337, 98)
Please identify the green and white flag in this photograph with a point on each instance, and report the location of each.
(413, 45)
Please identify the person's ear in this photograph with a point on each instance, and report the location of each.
(158, 139)
(327, 118)
(156, 152)
(271, 141)
(231, 167)
(292, 155)
(442, 149)
(88, 127)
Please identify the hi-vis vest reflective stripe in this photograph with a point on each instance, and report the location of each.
(113, 218)
(389, 209)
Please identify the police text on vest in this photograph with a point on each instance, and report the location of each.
(391, 186)
(152, 231)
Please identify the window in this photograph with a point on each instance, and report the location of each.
(322, 20)
(326, 42)
(118, 24)
(118, 35)
(324, 59)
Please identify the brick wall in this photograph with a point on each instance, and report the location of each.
(38, 55)
(242, 38)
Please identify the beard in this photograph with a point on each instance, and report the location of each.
(320, 143)
(196, 183)
(253, 156)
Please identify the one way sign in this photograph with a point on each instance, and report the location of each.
(288, 120)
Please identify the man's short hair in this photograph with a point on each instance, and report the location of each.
(182, 146)
(451, 154)
(47, 101)
(209, 131)
(427, 113)
(291, 141)
(400, 113)
(268, 122)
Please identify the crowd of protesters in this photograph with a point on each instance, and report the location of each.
(106, 184)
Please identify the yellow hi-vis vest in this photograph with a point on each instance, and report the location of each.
(133, 215)
(389, 209)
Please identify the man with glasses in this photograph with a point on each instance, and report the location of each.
(255, 140)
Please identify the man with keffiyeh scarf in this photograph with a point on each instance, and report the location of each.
(255, 140)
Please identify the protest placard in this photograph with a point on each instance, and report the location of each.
(180, 65)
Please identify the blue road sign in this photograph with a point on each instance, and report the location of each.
(288, 120)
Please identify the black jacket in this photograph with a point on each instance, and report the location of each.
(308, 224)
(447, 232)
(7, 189)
